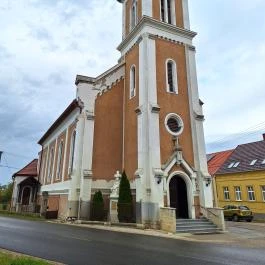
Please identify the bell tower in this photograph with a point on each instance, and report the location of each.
(162, 108)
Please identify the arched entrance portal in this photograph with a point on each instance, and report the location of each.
(178, 196)
(26, 196)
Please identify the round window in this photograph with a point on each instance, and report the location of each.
(174, 124)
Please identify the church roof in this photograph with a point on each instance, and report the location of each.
(245, 158)
(74, 104)
(216, 160)
(30, 170)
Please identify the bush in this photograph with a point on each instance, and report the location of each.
(97, 213)
(125, 206)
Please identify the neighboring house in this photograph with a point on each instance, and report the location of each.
(26, 186)
(241, 178)
(143, 116)
(215, 161)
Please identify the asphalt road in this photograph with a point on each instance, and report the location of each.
(82, 246)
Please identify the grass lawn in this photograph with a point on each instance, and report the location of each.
(14, 259)
(21, 216)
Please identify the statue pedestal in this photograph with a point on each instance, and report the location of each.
(114, 210)
(114, 199)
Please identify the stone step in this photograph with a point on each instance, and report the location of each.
(201, 231)
(193, 223)
(187, 227)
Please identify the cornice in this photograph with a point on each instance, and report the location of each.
(145, 20)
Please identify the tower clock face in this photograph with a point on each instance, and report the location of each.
(174, 124)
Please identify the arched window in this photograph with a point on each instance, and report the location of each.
(171, 78)
(134, 16)
(132, 81)
(59, 161)
(72, 153)
(50, 165)
(167, 11)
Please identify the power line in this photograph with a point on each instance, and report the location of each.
(9, 167)
(12, 154)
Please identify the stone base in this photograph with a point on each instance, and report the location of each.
(73, 208)
(147, 213)
(84, 210)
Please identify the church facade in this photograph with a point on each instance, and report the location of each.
(143, 116)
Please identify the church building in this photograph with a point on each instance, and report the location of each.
(143, 116)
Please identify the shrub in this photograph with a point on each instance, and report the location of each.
(97, 213)
(125, 209)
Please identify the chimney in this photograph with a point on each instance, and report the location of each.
(263, 136)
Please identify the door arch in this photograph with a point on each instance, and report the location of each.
(26, 195)
(179, 197)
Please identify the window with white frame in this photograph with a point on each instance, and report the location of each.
(59, 161)
(50, 164)
(263, 192)
(171, 76)
(251, 193)
(253, 162)
(226, 194)
(238, 195)
(72, 152)
(132, 81)
(167, 11)
(134, 16)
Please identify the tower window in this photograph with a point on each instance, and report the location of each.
(132, 81)
(134, 16)
(174, 124)
(171, 77)
(50, 165)
(167, 11)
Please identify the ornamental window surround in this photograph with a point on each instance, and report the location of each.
(72, 152)
(171, 76)
(59, 161)
(50, 164)
(132, 81)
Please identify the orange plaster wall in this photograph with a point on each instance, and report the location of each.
(172, 103)
(130, 137)
(179, 14)
(108, 133)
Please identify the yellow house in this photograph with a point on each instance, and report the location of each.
(241, 178)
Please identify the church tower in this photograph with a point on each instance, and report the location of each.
(164, 144)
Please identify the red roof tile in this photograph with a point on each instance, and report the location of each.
(29, 170)
(216, 160)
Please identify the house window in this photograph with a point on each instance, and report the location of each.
(251, 193)
(60, 160)
(253, 162)
(132, 81)
(72, 153)
(226, 194)
(50, 164)
(263, 192)
(171, 77)
(238, 193)
(134, 16)
(167, 10)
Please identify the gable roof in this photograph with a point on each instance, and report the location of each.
(216, 160)
(30, 170)
(74, 104)
(243, 155)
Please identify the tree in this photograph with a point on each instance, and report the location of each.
(97, 207)
(125, 209)
(6, 193)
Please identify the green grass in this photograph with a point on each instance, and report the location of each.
(12, 259)
(21, 216)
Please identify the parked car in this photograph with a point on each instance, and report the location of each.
(237, 213)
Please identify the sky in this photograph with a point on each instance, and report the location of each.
(45, 43)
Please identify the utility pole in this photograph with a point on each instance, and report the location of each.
(1, 152)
